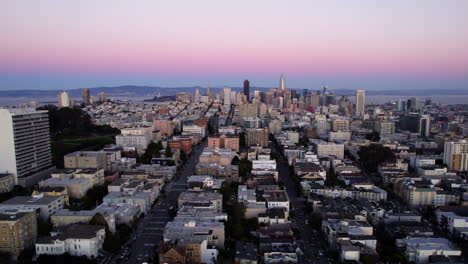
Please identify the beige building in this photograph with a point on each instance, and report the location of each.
(456, 155)
(415, 193)
(229, 173)
(7, 181)
(224, 141)
(18, 231)
(340, 125)
(248, 110)
(77, 182)
(256, 136)
(217, 155)
(85, 159)
(165, 126)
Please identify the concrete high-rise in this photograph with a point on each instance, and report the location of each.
(247, 89)
(102, 97)
(425, 125)
(456, 155)
(360, 102)
(227, 96)
(63, 100)
(86, 96)
(25, 144)
(197, 95)
(282, 83)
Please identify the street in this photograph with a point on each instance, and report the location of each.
(149, 232)
(309, 241)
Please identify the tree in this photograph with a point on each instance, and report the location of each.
(242, 142)
(95, 195)
(168, 152)
(235, 161)
(183, 155)
(374, 136)
(151, 151)
(374, 154)
(98, 219)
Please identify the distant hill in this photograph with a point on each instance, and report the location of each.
(151, 91)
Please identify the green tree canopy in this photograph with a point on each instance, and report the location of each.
(168, 152)
(374, 154)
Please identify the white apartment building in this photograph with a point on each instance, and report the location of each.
(263, 164)
(25, 144)
(76, 240)
(194, 130)
(339, 135)
(327, 149)
(138, 141)
(419, 249)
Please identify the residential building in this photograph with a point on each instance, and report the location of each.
(206, 199)
(45, 206)
(248, 110)
(224, 141)
(25, 144)
(456, 155)
(222, 156)
(165, 126)
(328, 149)
(419, 249)
(7, 181)
(230, 173)
(256, 136)
(85, 160)
(18, 231)
(76, 240)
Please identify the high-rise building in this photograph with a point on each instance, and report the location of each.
(412, 104)
(86, 96)
(227, 96)
(247, 89)
(248, 110)
(197, 95)
(63, 100)
(102, 97)
(282, 83)
(456, 155)
(360, 102)
(25, 144)
(320, 124)
(425, 125)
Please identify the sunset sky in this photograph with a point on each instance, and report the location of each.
(367, 44)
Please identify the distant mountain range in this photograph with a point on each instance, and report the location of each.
(150, 91)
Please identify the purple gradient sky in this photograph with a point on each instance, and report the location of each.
(368, 44)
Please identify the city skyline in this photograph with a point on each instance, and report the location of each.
(362, 45)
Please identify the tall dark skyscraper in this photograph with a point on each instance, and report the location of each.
(247, 89)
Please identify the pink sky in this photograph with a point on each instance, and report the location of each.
(212, 38)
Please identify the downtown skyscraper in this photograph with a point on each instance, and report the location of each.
(360, 102)
(247, 90)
